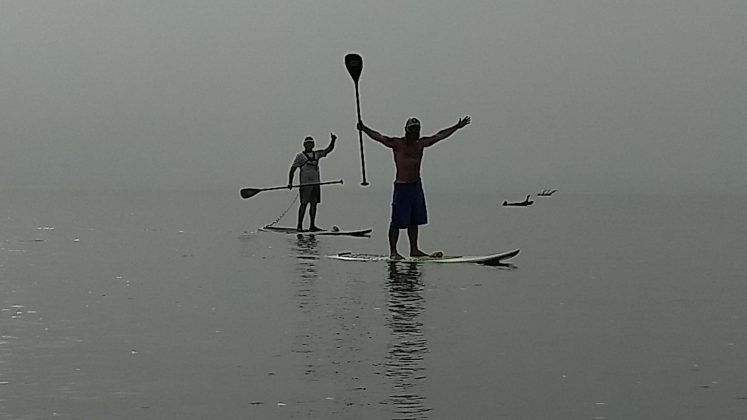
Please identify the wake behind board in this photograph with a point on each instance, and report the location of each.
(494, 259)
(283, 229)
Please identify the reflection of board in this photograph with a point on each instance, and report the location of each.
(281, 229)
(494, 259)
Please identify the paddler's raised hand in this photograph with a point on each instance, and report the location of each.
(331, 146)
(463, 122)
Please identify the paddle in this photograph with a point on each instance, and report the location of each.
(251, 192)
(354, 64)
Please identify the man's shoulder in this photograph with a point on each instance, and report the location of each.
(299, 159)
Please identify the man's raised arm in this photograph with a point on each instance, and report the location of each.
(331, 147)
(446, 132)
(375, 135)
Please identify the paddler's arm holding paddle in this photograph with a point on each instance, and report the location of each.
(375, 135)
(446, 132)
(297, 163)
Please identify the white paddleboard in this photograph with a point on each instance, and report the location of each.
(493, 259)
(283, 229)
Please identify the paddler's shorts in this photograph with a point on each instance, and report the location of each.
(408, 206)
(312, 194)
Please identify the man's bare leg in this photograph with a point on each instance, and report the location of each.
(412, 234)
(301, 214)
(312, 214)
(393, 238)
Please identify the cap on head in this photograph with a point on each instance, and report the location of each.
(308, 139)
(412, 123)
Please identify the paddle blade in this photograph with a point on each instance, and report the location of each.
(354, 64)
(249, 192)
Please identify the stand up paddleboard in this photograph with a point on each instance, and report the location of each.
(494, 259)
(283, 229)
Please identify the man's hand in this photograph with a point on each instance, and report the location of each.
(332, 136)
(360, 126)
(463, 121)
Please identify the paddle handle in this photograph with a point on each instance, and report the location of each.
(360, 135)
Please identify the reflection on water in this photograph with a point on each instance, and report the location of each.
(408, 346)
(307, 255)
(304, 286)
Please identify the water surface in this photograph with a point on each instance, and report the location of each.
(170, 305)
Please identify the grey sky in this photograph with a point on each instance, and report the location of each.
(581, 95)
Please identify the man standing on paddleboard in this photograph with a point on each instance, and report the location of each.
(308, 163)
(408, 201)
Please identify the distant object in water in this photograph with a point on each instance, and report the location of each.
(546, 193)
(526, 202)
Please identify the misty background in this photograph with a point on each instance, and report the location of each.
(580, 95)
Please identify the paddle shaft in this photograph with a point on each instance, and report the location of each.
(360, 135)
(251, 192)
(354, 64)
(303, 185)
(339, 181)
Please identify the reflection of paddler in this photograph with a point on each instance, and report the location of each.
(306, 244)
(308, 163)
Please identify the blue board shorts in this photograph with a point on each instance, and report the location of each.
(408, 206)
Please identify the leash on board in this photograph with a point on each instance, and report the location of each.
(285, 212)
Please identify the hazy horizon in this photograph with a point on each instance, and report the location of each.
(582, 96)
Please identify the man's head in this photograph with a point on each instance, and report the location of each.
(412, 128)
(308, 143)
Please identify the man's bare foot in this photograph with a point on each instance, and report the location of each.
(299, 229)
(418, 253)
(395, 256)
(315, 229)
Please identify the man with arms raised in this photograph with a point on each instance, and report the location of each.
(408, 201)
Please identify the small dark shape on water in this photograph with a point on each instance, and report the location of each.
(546, 193)
(526, 202)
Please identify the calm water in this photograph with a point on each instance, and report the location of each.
(170, 305)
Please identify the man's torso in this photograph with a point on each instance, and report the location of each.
(308, 163)
(408, 156)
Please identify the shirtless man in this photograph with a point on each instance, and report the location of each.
(408, 201)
